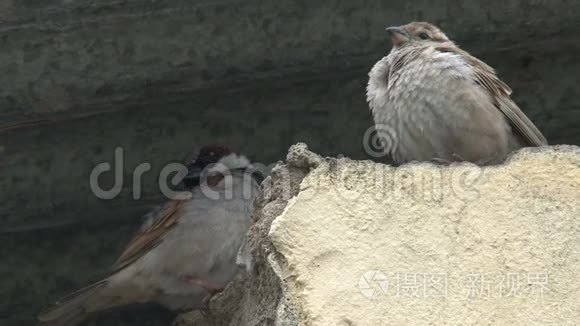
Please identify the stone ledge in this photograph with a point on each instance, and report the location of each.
(360, 243)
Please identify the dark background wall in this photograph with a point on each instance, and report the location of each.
(79, 78)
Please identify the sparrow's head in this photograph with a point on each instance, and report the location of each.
(416, 34)
(214, 158)
(211, 154)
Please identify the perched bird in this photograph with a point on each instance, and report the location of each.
(186, 249)
(431, 100)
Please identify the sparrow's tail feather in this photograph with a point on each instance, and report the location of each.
(76, 307)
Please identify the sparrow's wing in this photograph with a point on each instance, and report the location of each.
(158, 223)
(486, 77)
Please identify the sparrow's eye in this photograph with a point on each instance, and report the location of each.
(424, 36)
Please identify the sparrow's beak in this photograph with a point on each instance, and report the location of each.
(397, 34)
(192, 178)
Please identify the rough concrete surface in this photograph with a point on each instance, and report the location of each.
(369, 244)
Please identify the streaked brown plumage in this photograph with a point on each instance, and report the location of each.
(185, 251)
(432, 100)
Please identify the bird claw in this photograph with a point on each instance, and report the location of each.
(211, 288)
(205, 309)
(440, 161)
(481, 162)
(458, 158)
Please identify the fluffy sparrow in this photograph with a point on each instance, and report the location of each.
(433, 101)
(186, 249)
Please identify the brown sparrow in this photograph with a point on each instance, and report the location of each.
(433, 101)
(186, 249)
